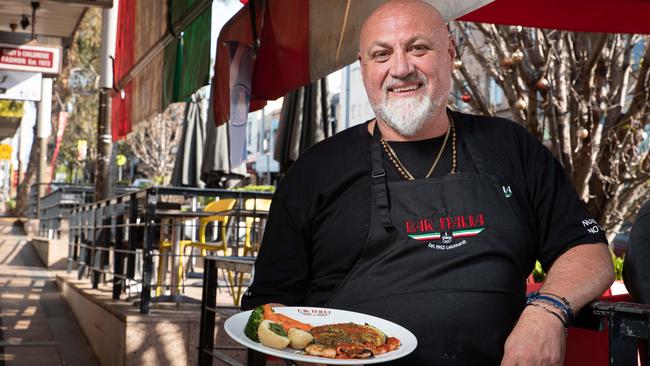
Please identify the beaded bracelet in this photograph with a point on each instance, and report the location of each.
(561, 298)
(545, 308)
(559, 302)
(555, 304)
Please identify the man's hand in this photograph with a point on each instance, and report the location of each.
(537, 339)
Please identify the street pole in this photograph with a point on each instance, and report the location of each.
(43, 129)
(104, 136)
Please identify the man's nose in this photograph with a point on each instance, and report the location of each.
(401, 65)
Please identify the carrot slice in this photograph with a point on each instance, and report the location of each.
(286, 321)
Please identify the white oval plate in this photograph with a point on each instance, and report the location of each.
(234, 327)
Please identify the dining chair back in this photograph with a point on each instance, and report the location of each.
(222, 205)
(251, 242)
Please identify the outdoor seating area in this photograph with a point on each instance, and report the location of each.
(144, 252)
(149, 245)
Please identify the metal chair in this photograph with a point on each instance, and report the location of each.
(222, 245)
(203, 244)
(254, 204)
(251, 242)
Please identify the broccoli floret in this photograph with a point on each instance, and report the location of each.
(253, 323)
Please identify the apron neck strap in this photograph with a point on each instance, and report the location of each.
(378, 179)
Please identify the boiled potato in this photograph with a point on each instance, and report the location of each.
(299, 339)
(272, 335)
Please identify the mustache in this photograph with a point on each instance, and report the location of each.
(392, 82)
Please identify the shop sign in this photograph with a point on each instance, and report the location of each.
(44, 59)
(5, 151)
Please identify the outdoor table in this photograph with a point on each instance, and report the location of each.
(177, 217)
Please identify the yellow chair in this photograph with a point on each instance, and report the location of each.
(203, 244)
(250, 248)
(257, 204)
(215, 206)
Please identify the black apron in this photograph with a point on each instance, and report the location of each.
(446, 258)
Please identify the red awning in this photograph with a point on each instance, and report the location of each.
(608, 16)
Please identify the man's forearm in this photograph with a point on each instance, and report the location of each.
(581, 274)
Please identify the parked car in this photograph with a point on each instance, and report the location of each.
(142, 183)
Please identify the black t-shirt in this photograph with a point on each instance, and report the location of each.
(319, 218)
(637, 257)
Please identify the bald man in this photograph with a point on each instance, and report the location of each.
(430, 218)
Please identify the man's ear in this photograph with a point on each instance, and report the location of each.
(452, 52)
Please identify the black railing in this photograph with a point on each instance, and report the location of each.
(56, 206)
(117, 240)
(32, 202)
(209, 311)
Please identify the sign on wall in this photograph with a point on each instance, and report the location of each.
(20, 85)
(44, 59)
(5, 151)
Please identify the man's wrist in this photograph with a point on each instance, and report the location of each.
(548, 317)
(551, 302)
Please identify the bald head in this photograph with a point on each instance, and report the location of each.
(418, 10)
(406, 62)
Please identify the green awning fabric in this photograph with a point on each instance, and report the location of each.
(187, 59)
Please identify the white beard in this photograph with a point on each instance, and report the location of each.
(407, 116)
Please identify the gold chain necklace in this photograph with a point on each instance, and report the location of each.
(392, 156)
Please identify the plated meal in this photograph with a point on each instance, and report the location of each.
(312, 334)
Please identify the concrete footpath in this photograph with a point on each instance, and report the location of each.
(37, 327)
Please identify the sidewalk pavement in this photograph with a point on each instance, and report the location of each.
(37, 327)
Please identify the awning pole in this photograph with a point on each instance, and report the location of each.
(104, 136)
(256, 40)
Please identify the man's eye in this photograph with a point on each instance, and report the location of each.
(381, 56)
(418, 48)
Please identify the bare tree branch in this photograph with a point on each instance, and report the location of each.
(587, 96)
(155, 141)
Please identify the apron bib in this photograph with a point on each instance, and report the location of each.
(446, 258)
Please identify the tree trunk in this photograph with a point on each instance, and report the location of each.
(22, 195)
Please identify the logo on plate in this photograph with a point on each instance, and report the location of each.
(314, 312)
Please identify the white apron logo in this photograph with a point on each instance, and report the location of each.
(507, 191)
